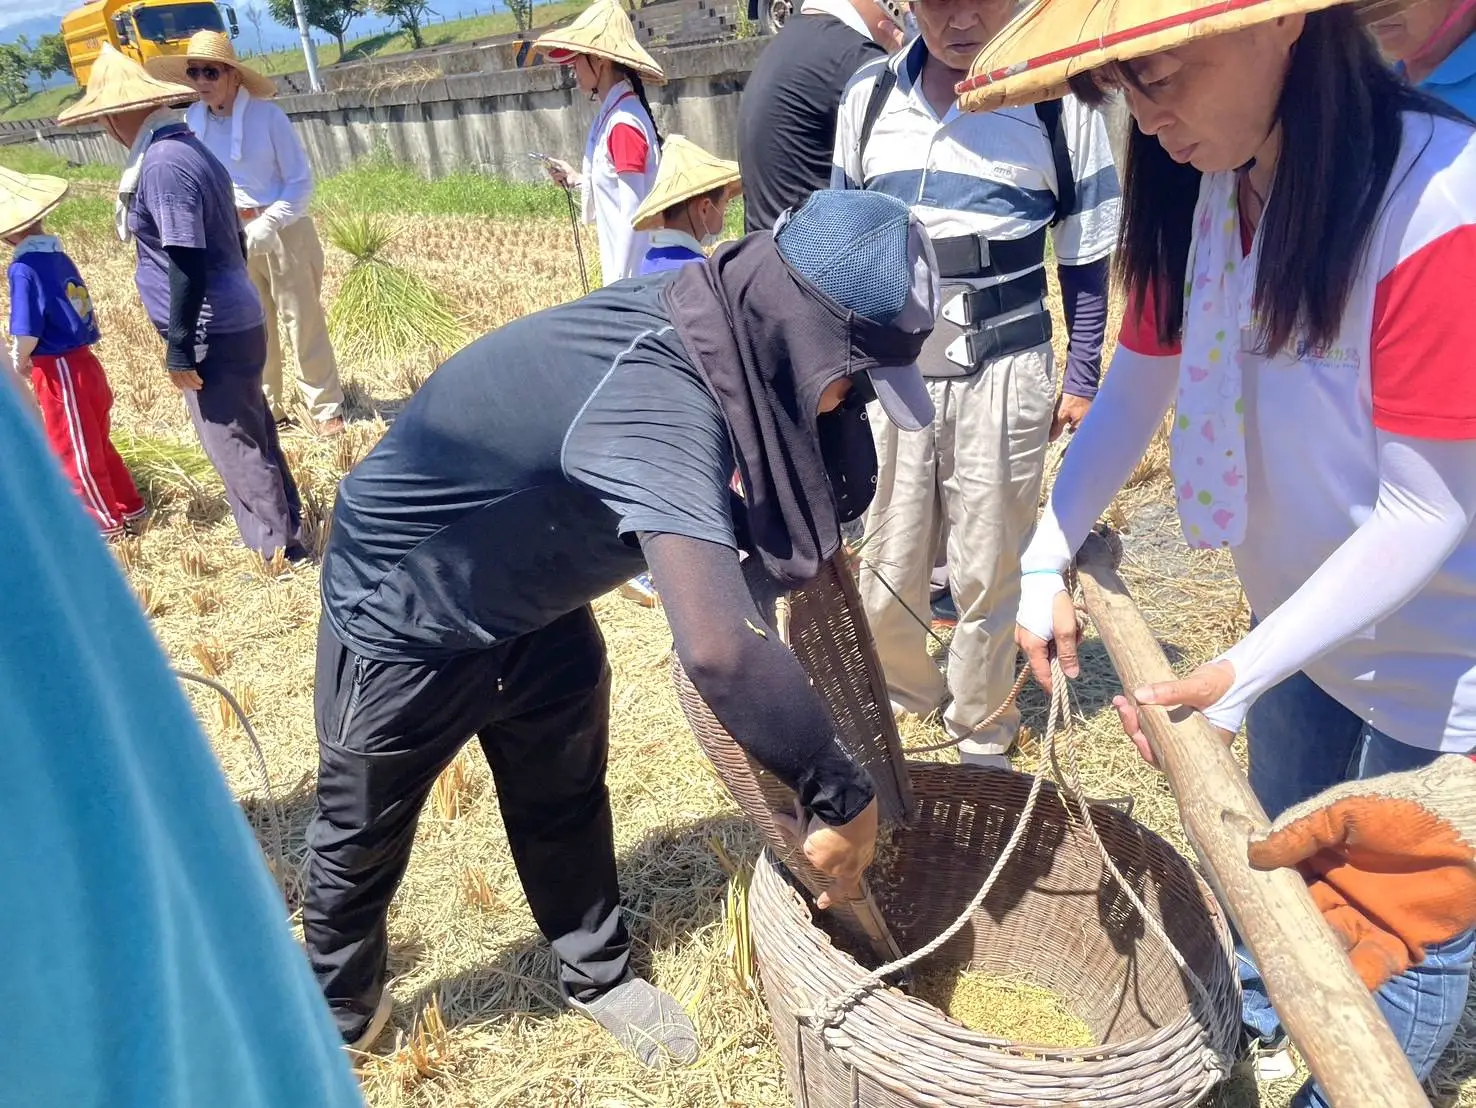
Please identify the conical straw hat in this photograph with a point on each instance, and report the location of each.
(212, 46)
(1053, 40)
(119, 84)
(26, 197)
(604, 30)
(686, 171)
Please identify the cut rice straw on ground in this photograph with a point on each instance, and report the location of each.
(382, 310)
(165, 468)
(1009, 1008)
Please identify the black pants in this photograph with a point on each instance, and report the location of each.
(540, 705)
(236, 428)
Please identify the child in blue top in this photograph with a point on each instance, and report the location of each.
(687, 206)
(52, 330)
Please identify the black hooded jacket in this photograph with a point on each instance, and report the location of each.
(548, 461)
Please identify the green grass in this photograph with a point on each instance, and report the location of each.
(398, 42)
(375, 186)
(43, 104)
(89, 205)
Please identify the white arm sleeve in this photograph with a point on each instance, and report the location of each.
(292, 163)
(1136, 392)
(1426, 505)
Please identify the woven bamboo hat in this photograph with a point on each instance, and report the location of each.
(119, 84)
(1053, 40)
(212, 46)
(686, 171)
(604, 30)
(26, 197)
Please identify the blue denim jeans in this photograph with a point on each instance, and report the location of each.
(1301, 742)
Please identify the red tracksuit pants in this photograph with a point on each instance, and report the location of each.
(76, 403)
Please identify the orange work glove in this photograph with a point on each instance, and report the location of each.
(1389, 861)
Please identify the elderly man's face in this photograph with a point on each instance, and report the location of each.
(956, 30)
(216, 83)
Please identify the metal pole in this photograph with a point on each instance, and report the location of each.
(309, 51)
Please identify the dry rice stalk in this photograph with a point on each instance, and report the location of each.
(479, 891)
(271, 569)
(195, 562)
(229, 721)
(149, 600)
(412, 377)
(429, 1046)
(205, 599)
(130, 554)
(210, 655)
(347, 455)
(451, 794)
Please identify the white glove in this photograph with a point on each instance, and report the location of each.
(261, 234)
(1038, 591)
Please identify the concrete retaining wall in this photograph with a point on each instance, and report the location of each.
(488, 122)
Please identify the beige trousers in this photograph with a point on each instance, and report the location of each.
(974, 476)
(289, 279)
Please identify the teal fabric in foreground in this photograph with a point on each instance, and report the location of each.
(148, 959)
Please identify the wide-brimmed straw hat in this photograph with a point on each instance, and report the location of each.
(26, 197)
(119, 84)
(1039, 50)
(604, 30)
(686, 171)
(212, 46)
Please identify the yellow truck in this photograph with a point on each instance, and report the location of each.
(142, 29)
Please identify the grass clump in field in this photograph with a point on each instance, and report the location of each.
(1009, 1008)
(383, 310)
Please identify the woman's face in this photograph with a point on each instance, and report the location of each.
(1212, 103)
(585, 73)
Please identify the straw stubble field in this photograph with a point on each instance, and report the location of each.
(478, 1020)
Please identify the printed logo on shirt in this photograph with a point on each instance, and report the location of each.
(1329, 356)
(80, 299)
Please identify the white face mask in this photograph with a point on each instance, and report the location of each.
(709, 238)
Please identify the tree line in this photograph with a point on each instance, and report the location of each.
(333, 17)
(19, 60)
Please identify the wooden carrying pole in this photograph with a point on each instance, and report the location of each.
(1325, 1007)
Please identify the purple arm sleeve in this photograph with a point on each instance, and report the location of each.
(1084, 293)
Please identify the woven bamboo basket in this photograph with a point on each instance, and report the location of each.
(1055, 915)
(826, 628)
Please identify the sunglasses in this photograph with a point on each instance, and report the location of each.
(209, 72)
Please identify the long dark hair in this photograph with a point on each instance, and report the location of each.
(1341, 131)
(640, 90)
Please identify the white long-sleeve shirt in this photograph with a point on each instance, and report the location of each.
(262, 153)
(1360, 547)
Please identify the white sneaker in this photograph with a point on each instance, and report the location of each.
(1274, 1061)
(376, 1025)
(642, 591)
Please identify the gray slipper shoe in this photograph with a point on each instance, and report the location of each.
(645, 1020)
